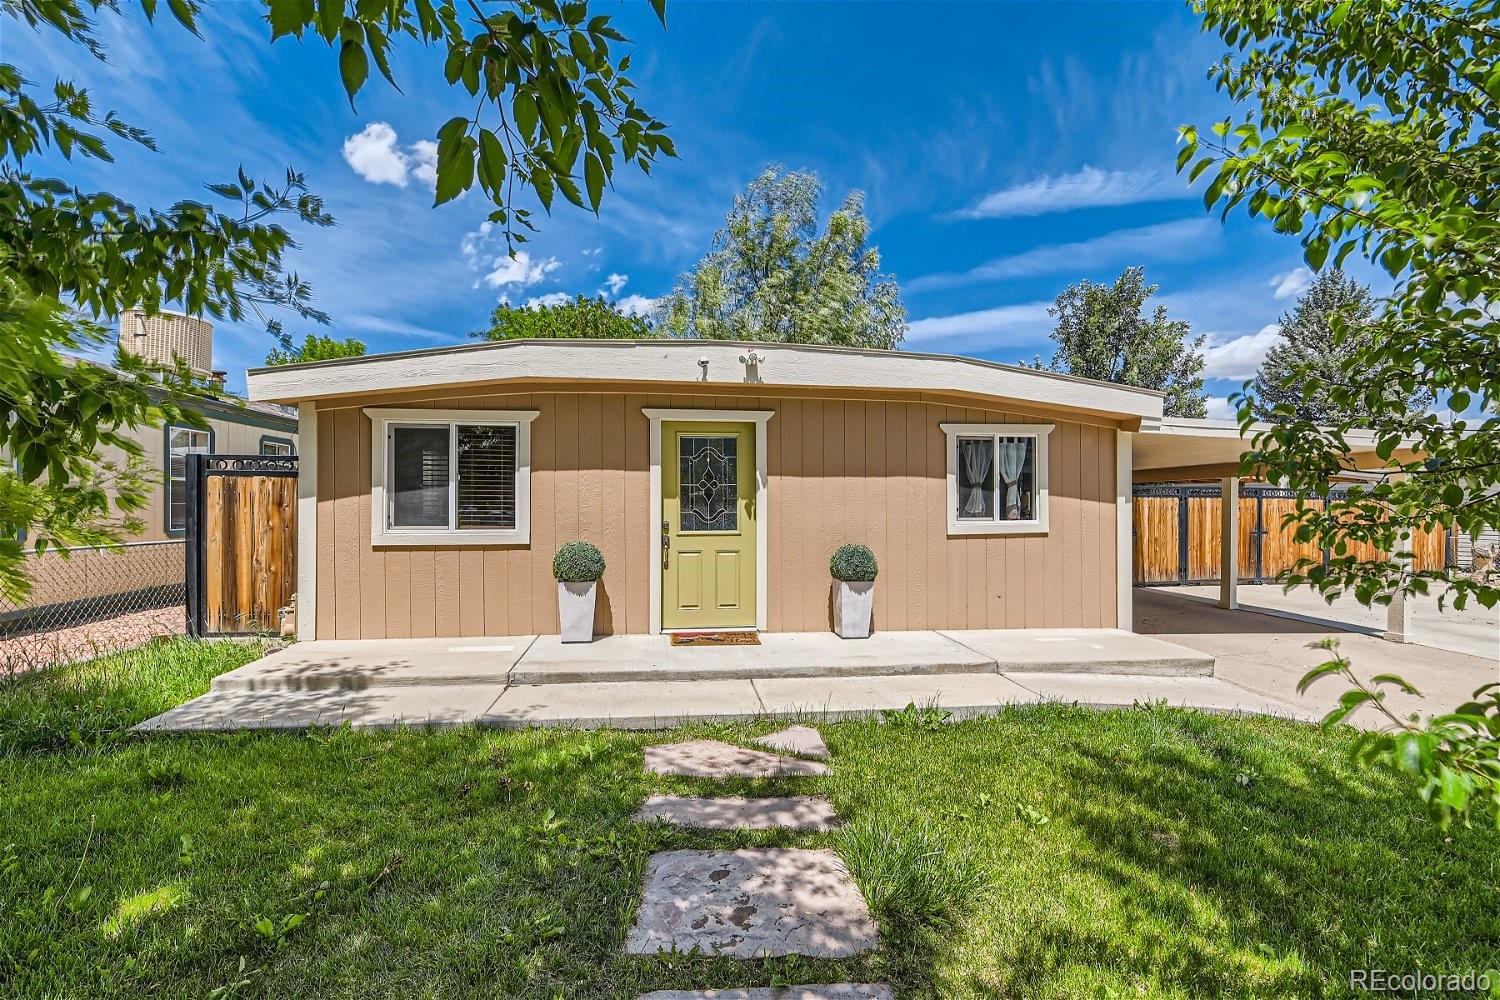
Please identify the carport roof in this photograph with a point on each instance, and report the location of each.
(1175, 449)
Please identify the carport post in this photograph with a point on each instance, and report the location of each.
(1398, 619)
(1229, 538)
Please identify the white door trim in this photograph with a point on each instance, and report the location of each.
(760, 418)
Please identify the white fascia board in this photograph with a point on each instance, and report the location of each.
(680, 362)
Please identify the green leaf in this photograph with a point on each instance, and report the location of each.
(524, 107)
(289, 17)
(455, 164)
(660, 6)
(185, 13)
(330, 19)
(593, 178)
(354, 67)
(492, 162)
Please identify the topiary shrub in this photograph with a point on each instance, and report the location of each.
(578, 562)
(854, 564)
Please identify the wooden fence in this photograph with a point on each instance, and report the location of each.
(1177, 532)
(242, 542)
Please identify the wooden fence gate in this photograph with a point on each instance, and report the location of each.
(1177, 532)
(241, 542)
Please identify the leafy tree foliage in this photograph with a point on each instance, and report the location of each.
(316, 347)
(1104, 333)
(1375, 128)
(1309, 345)
(582, 318)
(770, 276)
(555, 112)
(554, 105)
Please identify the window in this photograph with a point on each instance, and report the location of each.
(450, 477)
(276, 446)
(181, 442)
(997, 478)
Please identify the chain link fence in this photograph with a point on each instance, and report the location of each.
(89, 601)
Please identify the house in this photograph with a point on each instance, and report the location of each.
(147, 570)
(716, 478)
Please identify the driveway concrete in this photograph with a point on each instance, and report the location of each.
(1268, 654)
(1474, 630)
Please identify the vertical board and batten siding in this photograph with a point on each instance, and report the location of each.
(841, 470)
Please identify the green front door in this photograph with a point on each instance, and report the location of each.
(708, 569)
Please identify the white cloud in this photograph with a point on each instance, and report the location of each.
(1289, 283)
(423, 161)
(1162, 241)
(1220, 409)
(376, 155)
(1239, 357)
(1088, 188)
(1002, 326)
(550, 299)
(636, 305)
(519, 270)
(615, 282)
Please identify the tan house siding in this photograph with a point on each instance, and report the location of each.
(865, 466)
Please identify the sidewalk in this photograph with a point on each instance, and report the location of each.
(648, 684)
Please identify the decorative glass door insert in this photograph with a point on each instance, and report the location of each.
(709, 471)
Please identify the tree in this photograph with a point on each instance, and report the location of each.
(581, 318)
(770, 276)
(1375, 128)
(1102, 333)
(554, 112)
(316, 347)
(1308, 345)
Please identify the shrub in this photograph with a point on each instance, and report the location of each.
(578, 562)
(853, 564)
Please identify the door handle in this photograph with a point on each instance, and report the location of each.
(666, 540)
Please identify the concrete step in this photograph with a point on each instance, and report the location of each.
(357, 664)
(784, 655)
(644, 658)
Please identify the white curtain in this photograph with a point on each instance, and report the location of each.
(1012, 459)
(977, 456)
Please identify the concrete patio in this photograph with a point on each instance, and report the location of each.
(643, 682)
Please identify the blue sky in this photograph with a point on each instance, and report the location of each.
(1006, 150)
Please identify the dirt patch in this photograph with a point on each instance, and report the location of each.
(83, 642)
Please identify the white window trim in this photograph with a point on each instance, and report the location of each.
(1035, 526)
(382, 420)
(760, 418)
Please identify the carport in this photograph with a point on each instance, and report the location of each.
(1183, 451)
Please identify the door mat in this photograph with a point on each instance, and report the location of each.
(715, 639)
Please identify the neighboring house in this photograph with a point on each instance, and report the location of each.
(148, 568)
(716, 478)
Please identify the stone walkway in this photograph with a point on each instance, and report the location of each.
(751, 903)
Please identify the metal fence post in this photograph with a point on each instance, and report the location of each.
(1182, 534)
(194, 480)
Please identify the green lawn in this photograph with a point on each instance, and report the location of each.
(1049, 852)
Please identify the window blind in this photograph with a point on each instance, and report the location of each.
(486, 476)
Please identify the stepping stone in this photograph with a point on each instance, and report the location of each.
(830, 991)
(802, 812)
(751, 904)
(803, 740)
(716, 759)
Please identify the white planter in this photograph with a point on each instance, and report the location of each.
(575, 607)
(853, 605)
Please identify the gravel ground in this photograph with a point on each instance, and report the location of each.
(81, 642)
